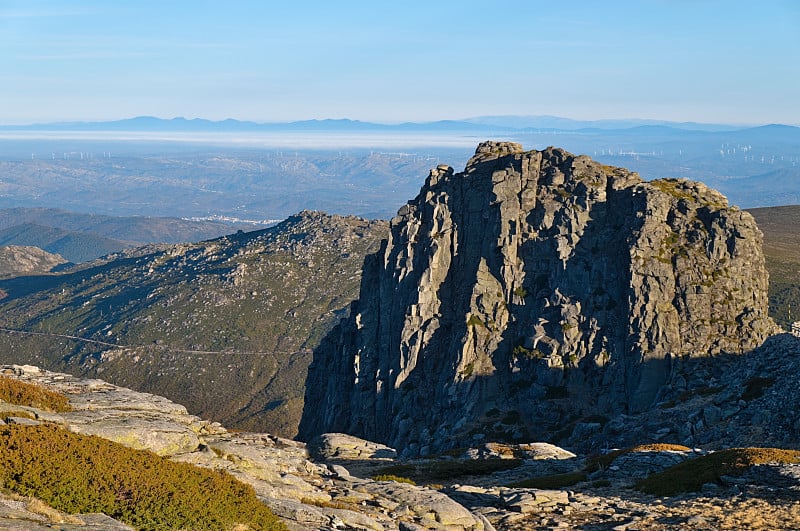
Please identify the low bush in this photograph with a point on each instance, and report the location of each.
(691, 475)
(396, 479)
(21, 393)
(426, 471)
(85, 474)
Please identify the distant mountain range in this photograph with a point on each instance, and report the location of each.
(484, 124)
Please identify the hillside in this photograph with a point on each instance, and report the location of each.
(225, 326)
(781, 228)
(74, 246)
(83, 237)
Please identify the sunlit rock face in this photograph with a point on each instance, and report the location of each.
(531, 290)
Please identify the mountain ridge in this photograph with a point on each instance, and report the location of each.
(225, 325)
(484, 124)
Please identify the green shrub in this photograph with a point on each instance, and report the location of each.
(84, 474)
(691, 475)
(21, 393)
(396, 479)
(474, 320)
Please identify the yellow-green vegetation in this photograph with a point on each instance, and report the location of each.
(84, 474)
(555, 481)
(690, 475)
(520, 352)
(345, 502)
(396, 479)
(474, 320)
(601, 462)
(27, 394)
(426, 471)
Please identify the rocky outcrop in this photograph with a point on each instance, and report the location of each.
(307, 495)
(530, 290)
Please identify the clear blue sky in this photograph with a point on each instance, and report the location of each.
(709, 61)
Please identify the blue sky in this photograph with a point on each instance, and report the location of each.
(685, 60)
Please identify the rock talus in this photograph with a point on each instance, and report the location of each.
(532, 289)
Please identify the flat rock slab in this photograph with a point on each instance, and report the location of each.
(15, 514)
(142, 433)
(424, 503)
(343, 446)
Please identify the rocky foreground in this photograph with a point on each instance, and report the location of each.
(327, 484)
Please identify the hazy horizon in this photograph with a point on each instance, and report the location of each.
(709, 62)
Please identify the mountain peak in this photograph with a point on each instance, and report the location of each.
(530, 278)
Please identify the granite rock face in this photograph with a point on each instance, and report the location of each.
(532, 289)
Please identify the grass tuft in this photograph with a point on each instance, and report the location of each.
(396, 479)
(426, 471)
